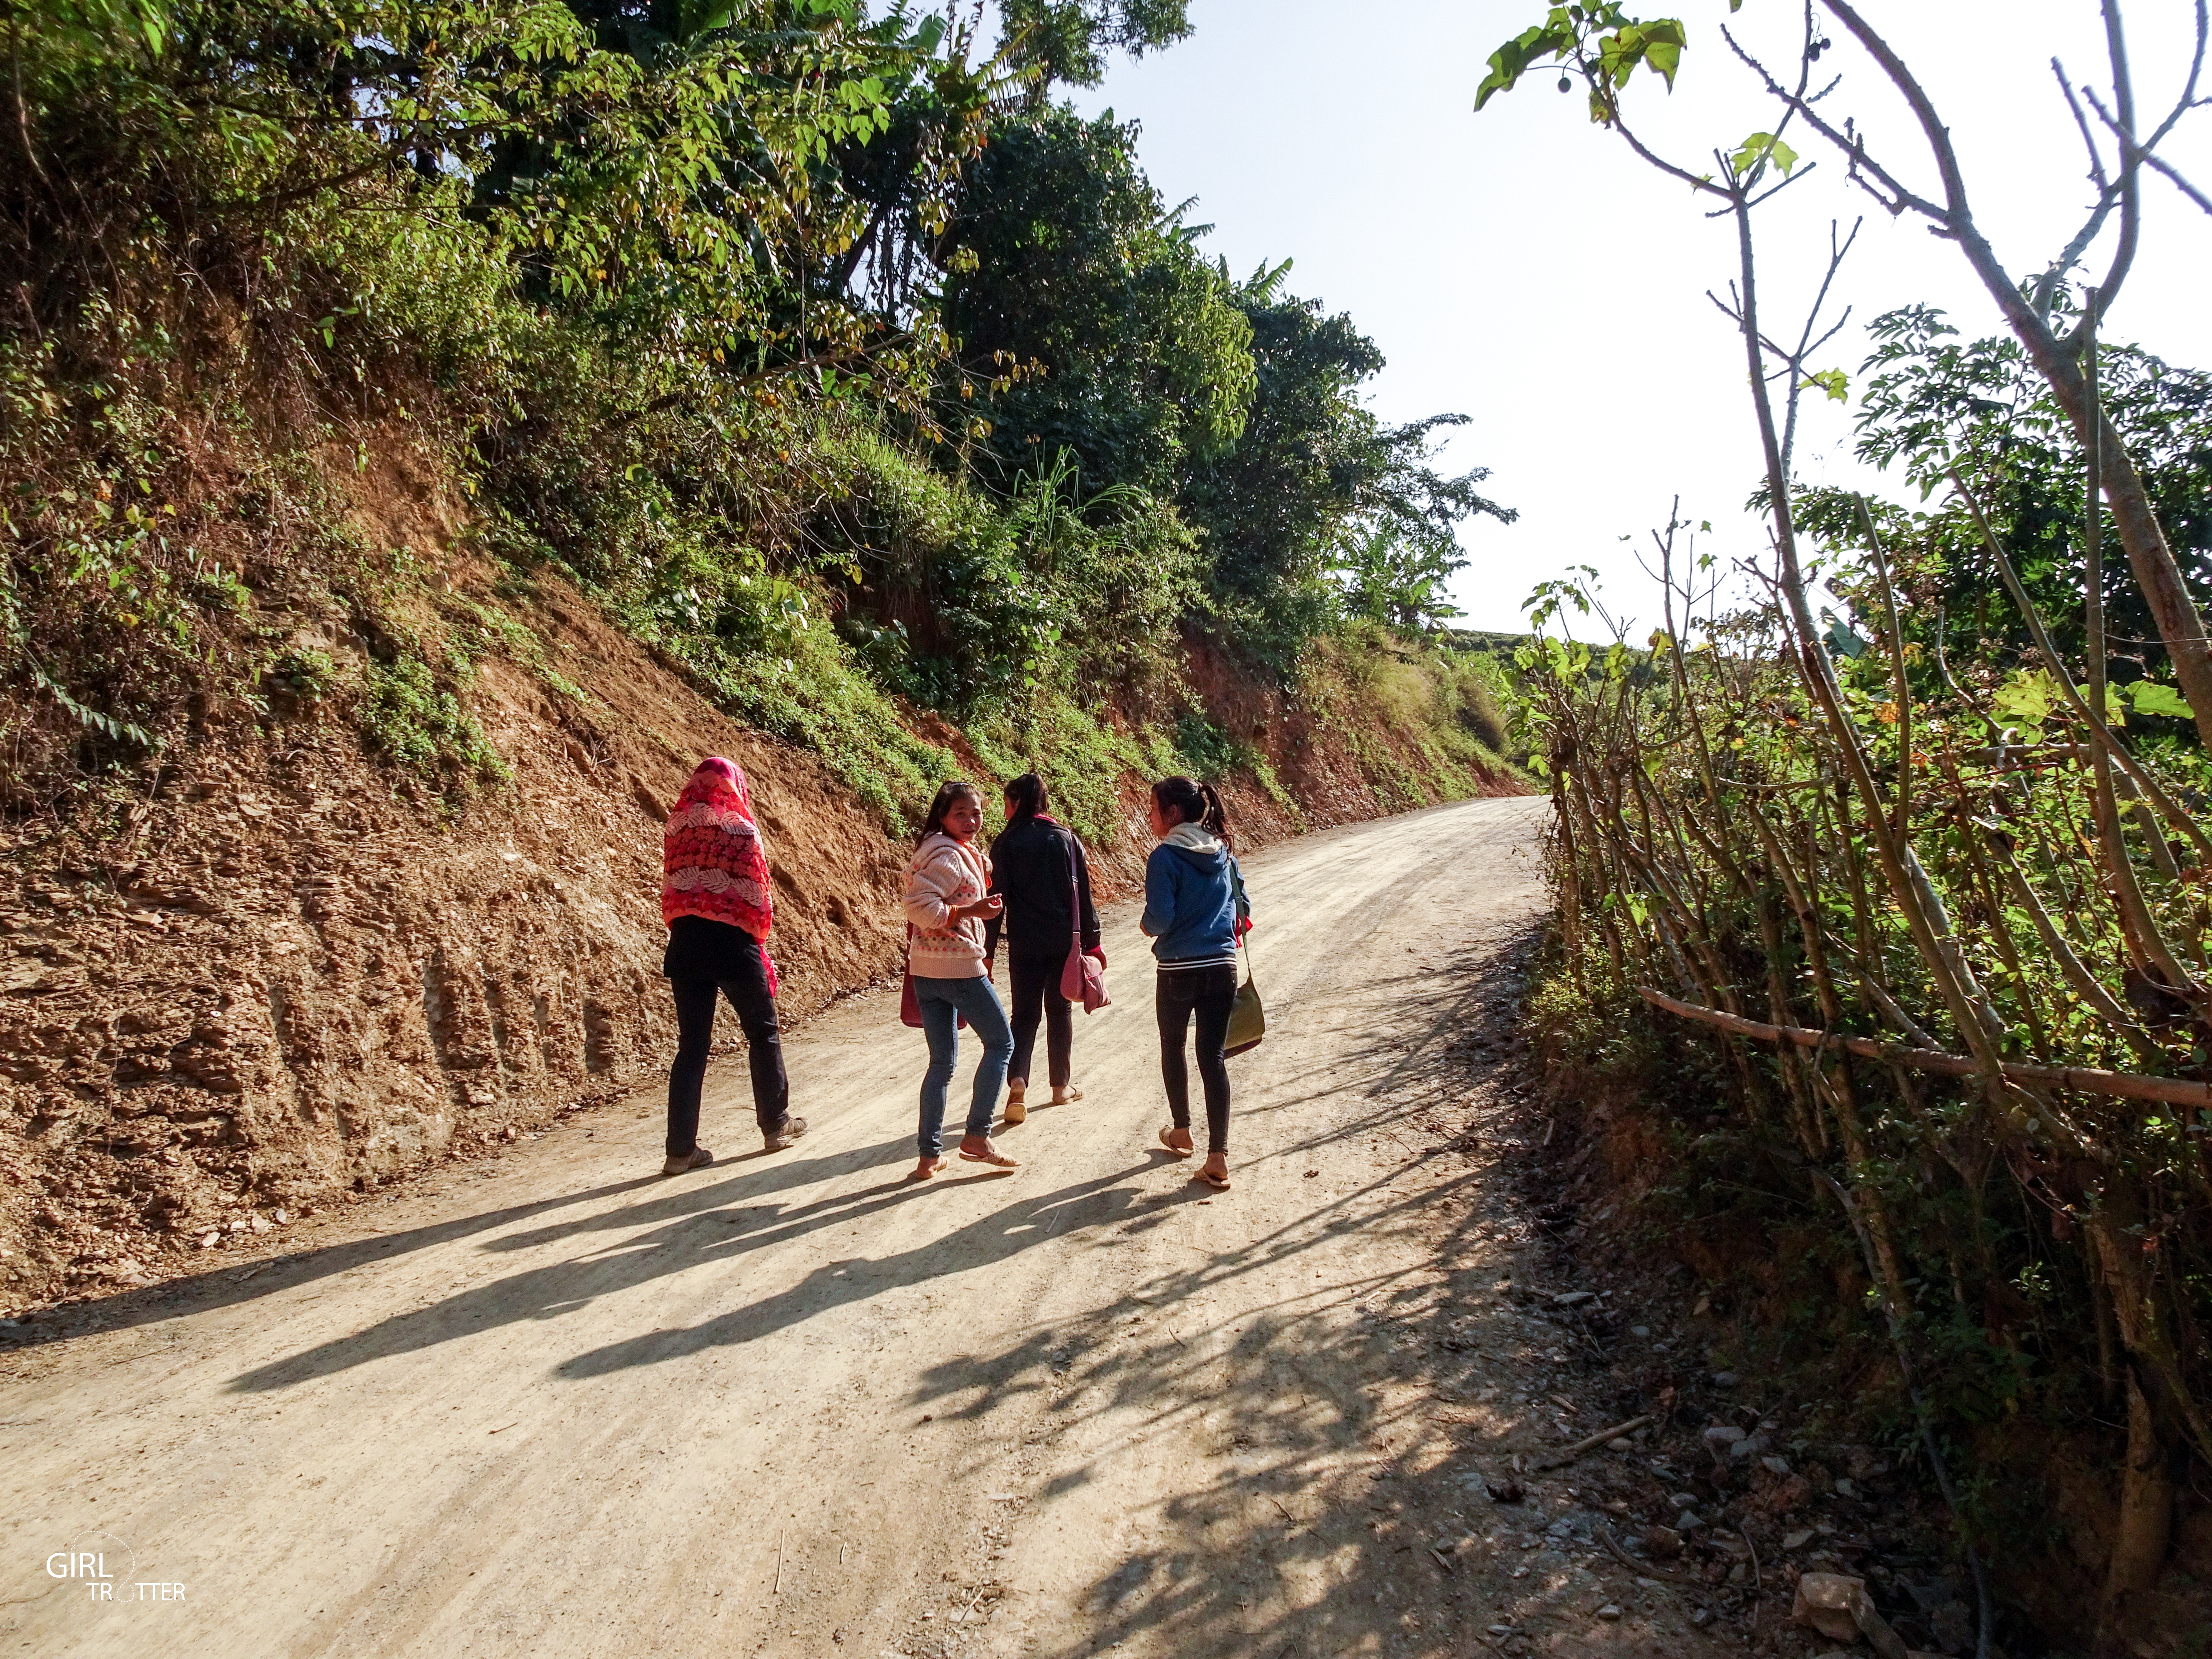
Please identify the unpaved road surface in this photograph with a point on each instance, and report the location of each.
(551, 1404)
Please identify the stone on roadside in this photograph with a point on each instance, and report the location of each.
(1724, 1379)
(1824, 1601)
(1797, 1539)
(1573, 1298)
(1775, 1465)
(1721, 1435)
(1837, 1606)
(1663, 1542)
(1609, 1611)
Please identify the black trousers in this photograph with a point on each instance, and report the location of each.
(747, 990)
(1208, 994)
(1036, 995)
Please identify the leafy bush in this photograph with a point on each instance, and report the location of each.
(404, 712)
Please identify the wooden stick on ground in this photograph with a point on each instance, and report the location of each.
(2124, 1085)
(1643, 1567)
(1591, 1444)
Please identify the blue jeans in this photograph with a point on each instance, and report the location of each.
(941, 1001)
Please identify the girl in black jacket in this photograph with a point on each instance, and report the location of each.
(1037, 867)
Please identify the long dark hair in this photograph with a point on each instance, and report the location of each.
(954, 789)
(1025, 794)
(1194, 803)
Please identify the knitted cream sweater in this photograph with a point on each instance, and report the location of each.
(942, 876)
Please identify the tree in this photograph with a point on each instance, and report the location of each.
(1601, 45)
(1069, 40)
(1931, 401)
(1314, 474)
(1126, 348)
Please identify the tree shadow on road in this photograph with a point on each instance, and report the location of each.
(1325, 1420)
(1398, 1068)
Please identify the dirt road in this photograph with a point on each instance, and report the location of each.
(553, 1405)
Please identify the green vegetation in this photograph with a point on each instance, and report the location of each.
(1913, 871)
(821, 347)
(422, 724)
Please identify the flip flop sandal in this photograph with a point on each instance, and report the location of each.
(917, 1173)
(1068, 1097)
(1218, 1182)
(1180, 1151)
(996, 1160)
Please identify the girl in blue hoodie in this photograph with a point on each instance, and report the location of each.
(1194, 914)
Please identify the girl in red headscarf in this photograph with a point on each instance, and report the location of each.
(714, 897)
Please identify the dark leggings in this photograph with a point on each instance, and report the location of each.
(1036, 995)
(694, 1030)
(1208, 993)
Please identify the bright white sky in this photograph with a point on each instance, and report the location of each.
(1522, 267)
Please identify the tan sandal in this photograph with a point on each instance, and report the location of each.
(924, 1170)
(994, 1157)
(1218, 1182)
(1067, 1095)
(1180, 1151)
(1016, 1104)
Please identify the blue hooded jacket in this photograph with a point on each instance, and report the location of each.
(1192, 901)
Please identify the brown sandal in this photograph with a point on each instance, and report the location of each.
(1180, 1151)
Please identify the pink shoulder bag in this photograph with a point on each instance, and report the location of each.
(1083, 979)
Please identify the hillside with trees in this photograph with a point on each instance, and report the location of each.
(429, 426)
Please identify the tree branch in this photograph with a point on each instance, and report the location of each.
(1851, 144)
(2130, 180)
(2047, 286)
(2088, 1080)
(2156, 163)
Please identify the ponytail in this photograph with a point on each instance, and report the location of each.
(1216, 815)
(1025, 794)
(1194, 803)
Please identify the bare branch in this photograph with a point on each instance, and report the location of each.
(2130, 180)
(2188, 100)
(1788, 180)
(2047, 286)
(2157, 163)
(1619, 123)
(1898, 198)
(2082, 122)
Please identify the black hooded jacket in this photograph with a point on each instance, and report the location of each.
(1032, 862)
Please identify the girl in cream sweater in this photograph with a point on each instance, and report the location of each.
(946, 905)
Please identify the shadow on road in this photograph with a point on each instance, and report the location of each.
(1310, 1534)
(237, 1282)
(690, 1236)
